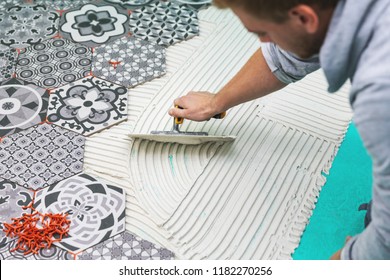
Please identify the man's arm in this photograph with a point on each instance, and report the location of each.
(254, 80)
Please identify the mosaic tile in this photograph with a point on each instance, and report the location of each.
(22, 26)
(130, 4)
(96, 210)
(41, 155)
(12, 199)
(165, 23)
(129, 61)
(22, 105)
(126, 246)
(89, 105)
(54, 253)
(62, 5)
(8, 58)
(93, 25)
(54, 63)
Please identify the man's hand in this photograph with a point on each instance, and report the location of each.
(337, 255)
(197, 106)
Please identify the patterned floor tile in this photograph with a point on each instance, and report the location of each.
(54, 253)
(126, 246)
(8, 58)
(165, 23)
(4, 4)
(130, 4)
(41, 155)
(93, 25)
(96, 210)
(54, 63)
(129, 61)
(12, 199)
(22, 105)
(22, 26)
(62, 5)
(89, 105)
(195, 4)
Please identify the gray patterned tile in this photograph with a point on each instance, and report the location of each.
(129, 61)
(41, 155)
(96, 210)
(54, 253)
(89, 105)
(129, 4)
(62, 5)
(126, 246)
(195, 4)
(165, 23)
(54, 63)
(8, 58)
(12, 200)
(93, 25)
(22, 105)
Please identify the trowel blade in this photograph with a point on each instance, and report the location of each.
(183, 138)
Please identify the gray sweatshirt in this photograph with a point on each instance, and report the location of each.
(357, 47)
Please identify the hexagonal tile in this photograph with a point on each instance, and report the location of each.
(54, 253)
(129, 4)
(93, 25)
(126, 246)
(8, 58)
(12, 199)
(41, 155)
(88, 105)
(54, 63)
(129, 61)
(165, 23)
(22, 26)
(96, 210)
(22, 105)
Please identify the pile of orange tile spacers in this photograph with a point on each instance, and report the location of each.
(36, 231)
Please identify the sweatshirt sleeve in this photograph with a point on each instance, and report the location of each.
(287, 67)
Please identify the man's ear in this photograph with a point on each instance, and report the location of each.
(306, 17)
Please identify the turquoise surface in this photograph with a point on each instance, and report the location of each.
(336, 216)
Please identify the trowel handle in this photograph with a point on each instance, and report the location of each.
(181, 120)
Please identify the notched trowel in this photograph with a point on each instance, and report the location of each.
(184, 137)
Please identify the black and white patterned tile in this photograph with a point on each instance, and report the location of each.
(62, 5)
(165, 23)
(89, 105)
(94, 24)
(54, 63)
(4, 4)
(130, 4)
(22, 105)
(8, 58)
(41, 155)
(12, 200)
(126, 246)
(96, 210)
(195, 4)
(25, 25)
(129, 61)
(54, 253)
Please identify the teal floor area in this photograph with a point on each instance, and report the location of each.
(336, 216)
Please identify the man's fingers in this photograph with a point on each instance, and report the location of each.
(177, 112)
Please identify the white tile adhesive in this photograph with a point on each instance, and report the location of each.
(248, 199)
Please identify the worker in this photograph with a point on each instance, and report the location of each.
(349, 40)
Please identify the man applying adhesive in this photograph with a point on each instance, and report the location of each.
(349, 40)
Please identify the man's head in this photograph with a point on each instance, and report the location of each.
(298, 26)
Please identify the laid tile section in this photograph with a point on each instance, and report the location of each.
(93, 25)
(12, 200)
(96, 210)
(53, 63)
(129, 61)
(62, 5)
(129, 4)
(8, 58)
(165, 23)
(126, 246)
(22, 26)
(22, 105)
(41, 155)
(195, 4)
(89, 105)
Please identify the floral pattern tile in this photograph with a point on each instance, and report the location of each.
(54, 63)
(93, 25)
(96, 210)
(126, 246)
(129, 61)
(8, 58)
(4, 4)
(62, 5)
(54, 253)
(165, 23)
(129, 4)
(89, 105)
(12, 200)
(41, 155)
(22, 105)
(25, 25)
